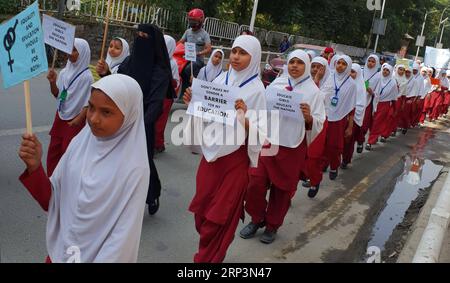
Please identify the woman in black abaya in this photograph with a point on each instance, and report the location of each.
(149, 65)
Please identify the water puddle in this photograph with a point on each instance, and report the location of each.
(417, 175)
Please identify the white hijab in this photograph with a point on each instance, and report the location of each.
(171, 46)
(322, 61)
(210, 72)
(361, 97)
(387, 89)
(79, 91)
(347, 94)
(444, 80)
(333, 63)
(402, 81)
(289, 132)
(372, 76)
(427, 86)
(100, 185)
(114, 62)
(214, 144)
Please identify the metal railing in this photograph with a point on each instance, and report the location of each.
(221, 29)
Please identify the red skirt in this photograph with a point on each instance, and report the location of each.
(283, 169)
(380, 121)
(61, 135)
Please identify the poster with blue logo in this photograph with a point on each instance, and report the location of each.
(22, 49)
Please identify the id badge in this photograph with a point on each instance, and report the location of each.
(62, 99)
(334, 101)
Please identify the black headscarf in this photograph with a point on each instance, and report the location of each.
(149, 65)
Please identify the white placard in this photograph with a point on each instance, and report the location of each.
(437, 58)
(284, 101)
(190, 53)
(58, 34)
(213, 101)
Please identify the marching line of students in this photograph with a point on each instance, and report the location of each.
(95, 200)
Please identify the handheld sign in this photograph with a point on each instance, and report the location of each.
(190, 54)
(58, 34)
(437, 58)
(286, 102)
(22, 49)
(22, 54)
(213, 101)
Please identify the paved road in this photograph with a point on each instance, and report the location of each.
(334, 227)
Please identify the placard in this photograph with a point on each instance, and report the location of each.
(213, 101)
(287, 102)
(58, 34)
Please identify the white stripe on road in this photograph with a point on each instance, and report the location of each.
(18, 132)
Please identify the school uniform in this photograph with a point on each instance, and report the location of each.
(384, 107)
(402, 84)
(74, 84)
(280, 173)
(222, 176)
(94, 199)
(316, 149)
(358, 119)
(371, 78)
(340, 102)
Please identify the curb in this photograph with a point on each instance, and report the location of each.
(430, 245)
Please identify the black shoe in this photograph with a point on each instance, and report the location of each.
(153, 207)
(360, 148)
(404, 131)
(333, 175)
(383, 140)
(313, 191)
(250, 230)
(325, 169)
(344, 165)
(268, 237)
(368, 147)
(306, 184)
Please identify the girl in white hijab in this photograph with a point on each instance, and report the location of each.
(72, 90)
(402, 83)
(312, 175)
(358, 119)
(118, 51)
(161, 124)
(385, 100)
(95, 200)
(280, 172)
(320, 77)
(371, 78)
(340, 102)
(222, 177)
(214, 67)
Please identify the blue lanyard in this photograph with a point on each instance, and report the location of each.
(291, 88)
(336, 89)
(385, 87)
(244, 83)
(76, 77)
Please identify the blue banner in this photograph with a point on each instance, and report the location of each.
(22, 49)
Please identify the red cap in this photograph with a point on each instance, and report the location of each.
(329, 50)
(196, 14)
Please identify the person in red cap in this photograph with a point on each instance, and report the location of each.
(196, 34)
(328, 53)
